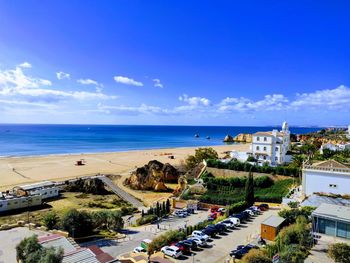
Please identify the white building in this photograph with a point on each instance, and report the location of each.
(46, 189)
(271, 147)
(334, 147)
(12, 202)
(329, 177)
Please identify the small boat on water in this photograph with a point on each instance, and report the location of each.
(196, 135)
(208, 137)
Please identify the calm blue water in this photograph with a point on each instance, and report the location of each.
(22, 140)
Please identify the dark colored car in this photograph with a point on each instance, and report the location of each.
(263, 207)
(221, 227)
(185, 249)
(238, 253)
(246, 213)
(215, 228)
(209, 231)
(190, 243)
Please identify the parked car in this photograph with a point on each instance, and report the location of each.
(179, 213)
(171, 251)
(184, 248)
(238, 253)
(222, 210)
(235, 220)
(214, 209)
(209, 231)
(263, 207)
(228, 223)
(255, 211)
(222, 228)
(215, 228)
(239, 216)
(200, 234)
(139, 250)
(250, 212)
(193, 245)
(201, 242)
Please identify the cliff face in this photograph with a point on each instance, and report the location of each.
(243, 137)
(152, 176)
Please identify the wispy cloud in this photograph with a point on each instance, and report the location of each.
(128, 81)
(62, 75)
(330, 98)
(89, 82)
(15, 84)
(194, 101)
(25, 65)
(242, 104)
(157, 83)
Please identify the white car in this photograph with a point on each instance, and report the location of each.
(139, 250)
(199, 241)
(179, 214)
(200, 234)
(171, 251)
(228, 223)
(234, 220)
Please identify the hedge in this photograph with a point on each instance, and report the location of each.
(166, 239)
(237, 207)
(146, 219)
(245, 166)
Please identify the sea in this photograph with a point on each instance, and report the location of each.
(39, 139)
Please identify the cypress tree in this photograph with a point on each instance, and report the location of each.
(158, 209)
(249, 189)
(168, 206)
(164, 209)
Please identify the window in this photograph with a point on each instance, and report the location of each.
(264, 157)
(265, 139)
(276, 158)
(333, 185)
(257, 148)
(276, 149)
(258, 138)
(264, 148)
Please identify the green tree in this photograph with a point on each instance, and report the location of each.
(158, 209)
(77, 223)
(30, 251)
(106, 219)
(164, 208)
(249, 189)
(168, 206)
(50, 220)
(200, 155)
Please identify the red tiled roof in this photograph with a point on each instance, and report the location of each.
(44, 239)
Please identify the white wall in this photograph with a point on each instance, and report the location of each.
(320, 181)
(19, 202)
(46, 192)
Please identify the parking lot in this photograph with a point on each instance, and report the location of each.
(220, 247)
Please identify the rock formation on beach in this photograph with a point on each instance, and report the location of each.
(228, 138)
(243, 137)
(152, 176)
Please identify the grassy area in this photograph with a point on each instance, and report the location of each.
(227, 195)
(67, 201)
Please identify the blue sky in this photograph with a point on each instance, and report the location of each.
(175, 62)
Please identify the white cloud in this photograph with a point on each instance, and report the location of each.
(143, 108)
(195, 101)
(157, 83)
(331, 98)
(242, 104)
(25, 65)
(127, 81)
(17, 85)
(62, 75)
(89, 82)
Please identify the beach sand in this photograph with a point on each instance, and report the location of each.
(23, 170)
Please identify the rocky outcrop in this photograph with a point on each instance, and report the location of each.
(152, 176)
(243, 137)
(228, 138)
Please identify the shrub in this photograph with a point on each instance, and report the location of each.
(107, 219)
(50, 220)
(146, 220)
(128, 210)
(293, 204)
(237, 207)
(340, 252)
(165, 239)
(256, 256)
(200, 155)
(263, 182)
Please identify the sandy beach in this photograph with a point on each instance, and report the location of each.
(22, 170)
